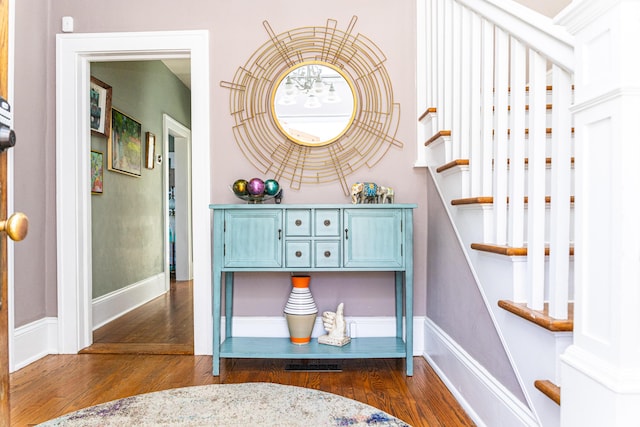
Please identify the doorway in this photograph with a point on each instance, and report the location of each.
(177, 140)
(74, 54)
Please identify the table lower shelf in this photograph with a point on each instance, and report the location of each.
(282, 348)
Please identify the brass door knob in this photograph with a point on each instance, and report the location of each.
(16, 226)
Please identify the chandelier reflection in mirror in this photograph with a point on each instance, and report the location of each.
(294, 69)
(308, 103)
(308, 81)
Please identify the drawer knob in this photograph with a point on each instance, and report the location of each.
(298, 254)
(327, 254)
(327, 223)
(298, 222)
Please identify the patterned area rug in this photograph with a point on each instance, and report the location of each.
(247, 404)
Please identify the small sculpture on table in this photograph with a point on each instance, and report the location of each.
(336, 327)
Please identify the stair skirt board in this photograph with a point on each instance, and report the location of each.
(482, 396)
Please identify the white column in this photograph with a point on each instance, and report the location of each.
(601, 370)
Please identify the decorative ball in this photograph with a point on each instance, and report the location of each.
(271, 187)
(256, 187)
(240, 187)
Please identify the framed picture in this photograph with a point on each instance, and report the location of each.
(100, 107)
(97, 172)
(125, 144)
(150, 153)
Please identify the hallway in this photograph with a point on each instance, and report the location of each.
(161, 326)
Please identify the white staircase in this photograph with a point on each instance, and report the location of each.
(499, 146)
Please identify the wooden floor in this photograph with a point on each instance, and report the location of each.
(162, 326)
(58, 384)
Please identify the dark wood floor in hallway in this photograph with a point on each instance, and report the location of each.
(58, 384)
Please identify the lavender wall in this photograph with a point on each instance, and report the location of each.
(236, 31)
(454, 301)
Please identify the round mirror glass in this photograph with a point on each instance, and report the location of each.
(313, 103)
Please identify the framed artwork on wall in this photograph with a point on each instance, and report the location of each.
(100, 107)
(97, 172)
(150, 152)
(125, 144)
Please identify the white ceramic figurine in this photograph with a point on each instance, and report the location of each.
(336, 327)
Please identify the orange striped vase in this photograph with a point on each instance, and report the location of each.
(300, 310)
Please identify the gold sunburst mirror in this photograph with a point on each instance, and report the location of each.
(313, 105)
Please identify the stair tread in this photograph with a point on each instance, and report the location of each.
(540, 317)
(548, 388)
(436, 136)
(430, 110)
(489, 199)
(466, 162)
(507, 250)
(452, 164)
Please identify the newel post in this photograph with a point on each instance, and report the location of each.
(600, 372)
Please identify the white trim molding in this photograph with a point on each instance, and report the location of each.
(34, 341)
(39, 339)
(113, 305)
(74, 53)
(481, 395)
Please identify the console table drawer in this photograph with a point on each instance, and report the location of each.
(327, 222)
(298, 254)
(327, 253)
(298, 222)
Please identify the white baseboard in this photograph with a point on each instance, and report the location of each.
(113, 305)
(34, 341)
(38, 339)
(484, 399)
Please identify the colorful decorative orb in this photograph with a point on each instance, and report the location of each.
(240, 187)
(256, 187)
(271, 187)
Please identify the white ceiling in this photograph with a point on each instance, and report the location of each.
(181, 68)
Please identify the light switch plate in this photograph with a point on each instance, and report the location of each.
(67, 24)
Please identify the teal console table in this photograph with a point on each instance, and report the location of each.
(307, 239)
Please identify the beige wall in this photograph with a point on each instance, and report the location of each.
(549, 8)
(34, 163)
(236, 31)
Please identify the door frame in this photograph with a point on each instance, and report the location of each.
(74, 53)
(182, 138)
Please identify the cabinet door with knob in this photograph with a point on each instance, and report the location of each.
(253, 238)
(373, 238)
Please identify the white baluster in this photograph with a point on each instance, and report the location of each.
(475, 89)
(560, 216)
(456, 80)
(501, 138)
(486, 138)
(517, 116)
(536, 180)
(439, 62)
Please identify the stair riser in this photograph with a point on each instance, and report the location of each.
(438, 151)
(536, 353)
(456, 182)
(475, 222)
(508, 277)
(438, 155)
(533, 350)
